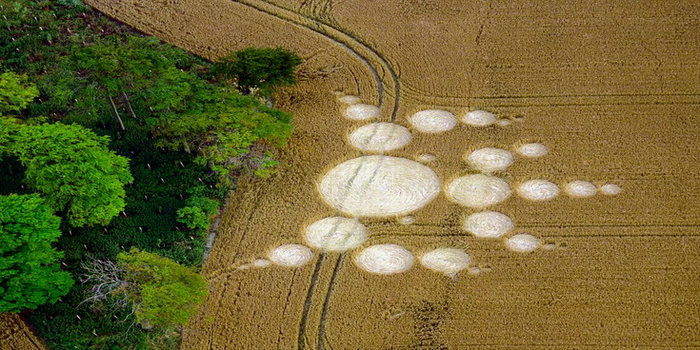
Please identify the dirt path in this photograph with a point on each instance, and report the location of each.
(611, 90)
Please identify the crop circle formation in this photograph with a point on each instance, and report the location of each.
(538, 190)
(385, 259)
(580, 189)
(479, 118)
(488, 224)
(433, 121)
(610, 189)
(478, 190)
(449, 261)
(291, 255)
(380, 137)
(336, 234)
(361, 112)
(379, 186)
(523, 243)
(349, 100)
(532, 150)
(490, 159)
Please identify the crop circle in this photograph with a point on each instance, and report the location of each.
(291, 255)
(490, 159)
(538, 190)
(336, 234)
(379, 186)
(433, 121)
(380, 137)
(478, 190)
(361, 112)
(449, 261)
(488, 224)
(385, 259)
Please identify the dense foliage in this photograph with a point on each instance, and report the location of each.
(15, 92)
(264, 69)
(30, 274)
(163, 293)
(72, 167)
(198, 213)
(186, 136)
(157, 86)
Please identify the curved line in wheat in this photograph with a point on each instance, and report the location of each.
(345, 41)
(340, 37)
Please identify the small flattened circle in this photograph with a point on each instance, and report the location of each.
(490, 159)
(349, 100)
(478, 190)
(336, 234)
(580, 189)
(523, 243)
(532, 150)
(449, 261)
(380, 137)
(361, 112)
(488, 224)
(433, 121)
(610, 189)
(385, 259)
(538, 190)
(292, 255)
(479, 118)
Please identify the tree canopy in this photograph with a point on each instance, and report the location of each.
(15, 92)
(72, 167)
(263, 68)
(29, 271)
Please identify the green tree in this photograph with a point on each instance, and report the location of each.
(228, 132)
(198, 213)
(161, 292)
(29, 271)
(15, 92)
(261, 68)
(72, 167)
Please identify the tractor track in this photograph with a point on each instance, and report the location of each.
(342, 38)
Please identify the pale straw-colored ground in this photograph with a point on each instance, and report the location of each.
(611, 92)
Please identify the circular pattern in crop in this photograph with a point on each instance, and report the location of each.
(523, 243)
(379, 186)
(532, 150)
(449, 261)
(291, 255)
(478, 190)
(490, 159)
(380, 137)
(349, 100)
(433, 121)
(385, 259)
(361, 112)
(488, 224)
(610, 189)
(538, 190)
(580, 189)
(479, 118)
(336, 234)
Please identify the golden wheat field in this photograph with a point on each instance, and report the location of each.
(16, 335)
(511, 128)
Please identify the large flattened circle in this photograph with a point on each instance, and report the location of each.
(379, 186)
